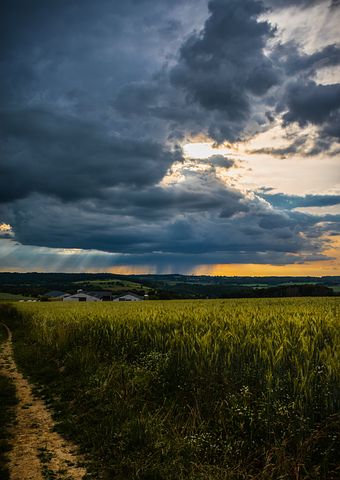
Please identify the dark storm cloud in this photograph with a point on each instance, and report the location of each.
(124, 217)
(294, 61)
(224, 65)
(310, 103)
(222, 82)
(96, 97)
(203, 224)
(59, 155)
(225, 85)
(41, 259)
(302, 100)
(220, 73)
(72, 57)
(46, 223)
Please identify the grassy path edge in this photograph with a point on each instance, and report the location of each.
(8, 401)
(34, 450)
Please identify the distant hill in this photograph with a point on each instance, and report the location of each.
(169, 286)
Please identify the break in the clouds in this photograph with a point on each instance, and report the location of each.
(99, 99)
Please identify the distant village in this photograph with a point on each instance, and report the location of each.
(91, 296)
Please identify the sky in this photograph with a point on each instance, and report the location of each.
(170, 136)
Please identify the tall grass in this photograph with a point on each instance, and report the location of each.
(194, 389)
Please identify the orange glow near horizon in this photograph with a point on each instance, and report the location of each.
(314, 269)
(268, 270)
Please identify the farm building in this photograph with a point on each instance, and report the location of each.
(81, 297)
(56, 294)
(128, 297)
(104, 296)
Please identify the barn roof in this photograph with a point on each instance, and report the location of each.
(55, 294)
(81, 295)
(123, 294)
(99, 293)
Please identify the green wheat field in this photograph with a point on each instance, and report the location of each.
(211, 389)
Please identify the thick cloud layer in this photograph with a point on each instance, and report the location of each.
(98, 99)
(257, 233)
(316, 104)
(72, 159)
(224, 65)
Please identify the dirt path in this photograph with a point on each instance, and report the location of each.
(38, 452)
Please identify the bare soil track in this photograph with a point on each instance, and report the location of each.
(37, 451)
